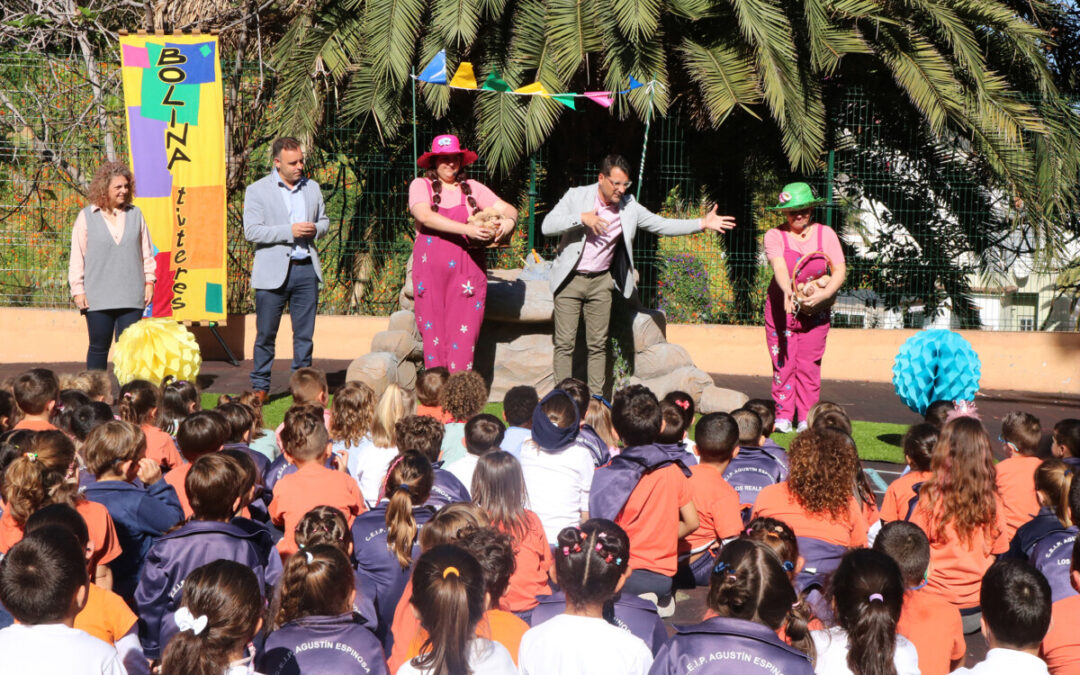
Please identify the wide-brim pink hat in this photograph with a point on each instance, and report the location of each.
(447, 144)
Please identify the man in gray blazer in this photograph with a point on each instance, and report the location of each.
(597, 224)
(283, 216)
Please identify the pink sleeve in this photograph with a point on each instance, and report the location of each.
(418, 192)
(830, 243)
(483, 194)
(77, 262)
(149, 264)
(774, 244)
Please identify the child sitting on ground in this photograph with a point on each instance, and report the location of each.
(35, 393)
(115, 453)
(579, 393)
(558, 471)
(658, 510)
(429, 387)
(179, 398)
(1046, 540)
(239, 420)
(673, 429)
(369, 462)
(44, 584)
(1020, 434)
(214, 486)
(308, 386)
(139, 403)
(313, 627)
(766, 412)
(1066, 443)
(483, 434)
(307, 444)
(868, 594)
(220, 613)
(1061, 646)
(463, 398)
(199, 434)
(752, 468)
(1015, 601)
(518, 406)
(932, 624)
(105, 616)
(901, 495)
(263, 439)
(716, 502)
(351, 417)
(425, 434)
(591, 565)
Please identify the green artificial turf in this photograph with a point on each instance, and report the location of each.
(877, 441)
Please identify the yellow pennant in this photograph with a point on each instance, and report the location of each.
(464, 77)
(534, 88)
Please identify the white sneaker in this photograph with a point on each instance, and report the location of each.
(782, 426)
(802, 427)
(665, 611)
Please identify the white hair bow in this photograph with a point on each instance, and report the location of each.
(185, 620)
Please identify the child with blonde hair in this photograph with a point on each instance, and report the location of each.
(368, 463)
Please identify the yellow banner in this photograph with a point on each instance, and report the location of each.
(176, 136)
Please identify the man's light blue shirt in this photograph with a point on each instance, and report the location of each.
(294, 204)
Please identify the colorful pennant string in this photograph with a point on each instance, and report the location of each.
(465, 78)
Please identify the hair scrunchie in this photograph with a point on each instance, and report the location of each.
(185, 620)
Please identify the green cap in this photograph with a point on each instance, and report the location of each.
(796, 196)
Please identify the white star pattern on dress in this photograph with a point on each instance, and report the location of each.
(468, 366)
(775, 349)
(435, 341)
(464, 328)
(423, 258)
(453, 366)
(467, 287)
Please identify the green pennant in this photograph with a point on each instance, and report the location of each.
(494, 82)
(566, 99)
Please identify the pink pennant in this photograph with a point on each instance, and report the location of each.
(600, 97)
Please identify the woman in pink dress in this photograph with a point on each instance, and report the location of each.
(449, 255)
(796, 326)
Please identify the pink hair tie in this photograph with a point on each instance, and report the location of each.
(877, 596)
(599, 547)
(566, 551)
(685, 405)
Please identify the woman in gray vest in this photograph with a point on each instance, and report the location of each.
(111, 270)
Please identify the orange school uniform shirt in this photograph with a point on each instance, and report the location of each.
(497, 625)
(312, 485)
(532, 558)
(1016, 485)
(161, 448)
(35, 425)
(717, 506)
(176, 478)
(651, 519)
(435, 412)
(106, 616)
(935, 628)
(957, 567)
(899, 495)
(99, 525)
(1061, 646)
(777, 501)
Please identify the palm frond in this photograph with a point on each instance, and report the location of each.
(637, 19)
(725, 77)
(457, 20)
(391, 28)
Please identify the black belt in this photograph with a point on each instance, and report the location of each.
(591, 275)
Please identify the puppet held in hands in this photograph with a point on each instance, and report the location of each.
(488, 219)
(811, 287)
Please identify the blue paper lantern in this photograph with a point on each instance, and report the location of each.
(935, 365)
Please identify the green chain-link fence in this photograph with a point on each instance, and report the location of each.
(919, 232)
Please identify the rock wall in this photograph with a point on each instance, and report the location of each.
(515, 347)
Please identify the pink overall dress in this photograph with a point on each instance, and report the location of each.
(796, 343)
(450, 287)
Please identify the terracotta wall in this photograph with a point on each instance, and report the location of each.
(1040, 362)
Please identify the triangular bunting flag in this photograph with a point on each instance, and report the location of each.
(634, 84)
(495, 83)
(534, 88)
(566, 99)
(599, 97)
(464, 77)
(435, 71)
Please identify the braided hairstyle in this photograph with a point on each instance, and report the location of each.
(590, 560)
(324, 525)
(317, 581)
(461, 179)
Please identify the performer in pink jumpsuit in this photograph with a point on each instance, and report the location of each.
(449, 258)
(796, 339)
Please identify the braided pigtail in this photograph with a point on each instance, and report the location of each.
(590, 560)
(466, 191)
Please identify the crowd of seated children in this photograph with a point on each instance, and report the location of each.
(151, 537)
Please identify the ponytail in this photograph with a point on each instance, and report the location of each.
(868, 592)
(797, 628)
(317, 581)
(448, 594)
(40, 476)
(408, 484)
(219, 614)
(138, 399)
(1053, 480)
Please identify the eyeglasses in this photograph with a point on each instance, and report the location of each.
(624, 185)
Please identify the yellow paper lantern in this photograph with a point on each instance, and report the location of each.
(150, 349)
